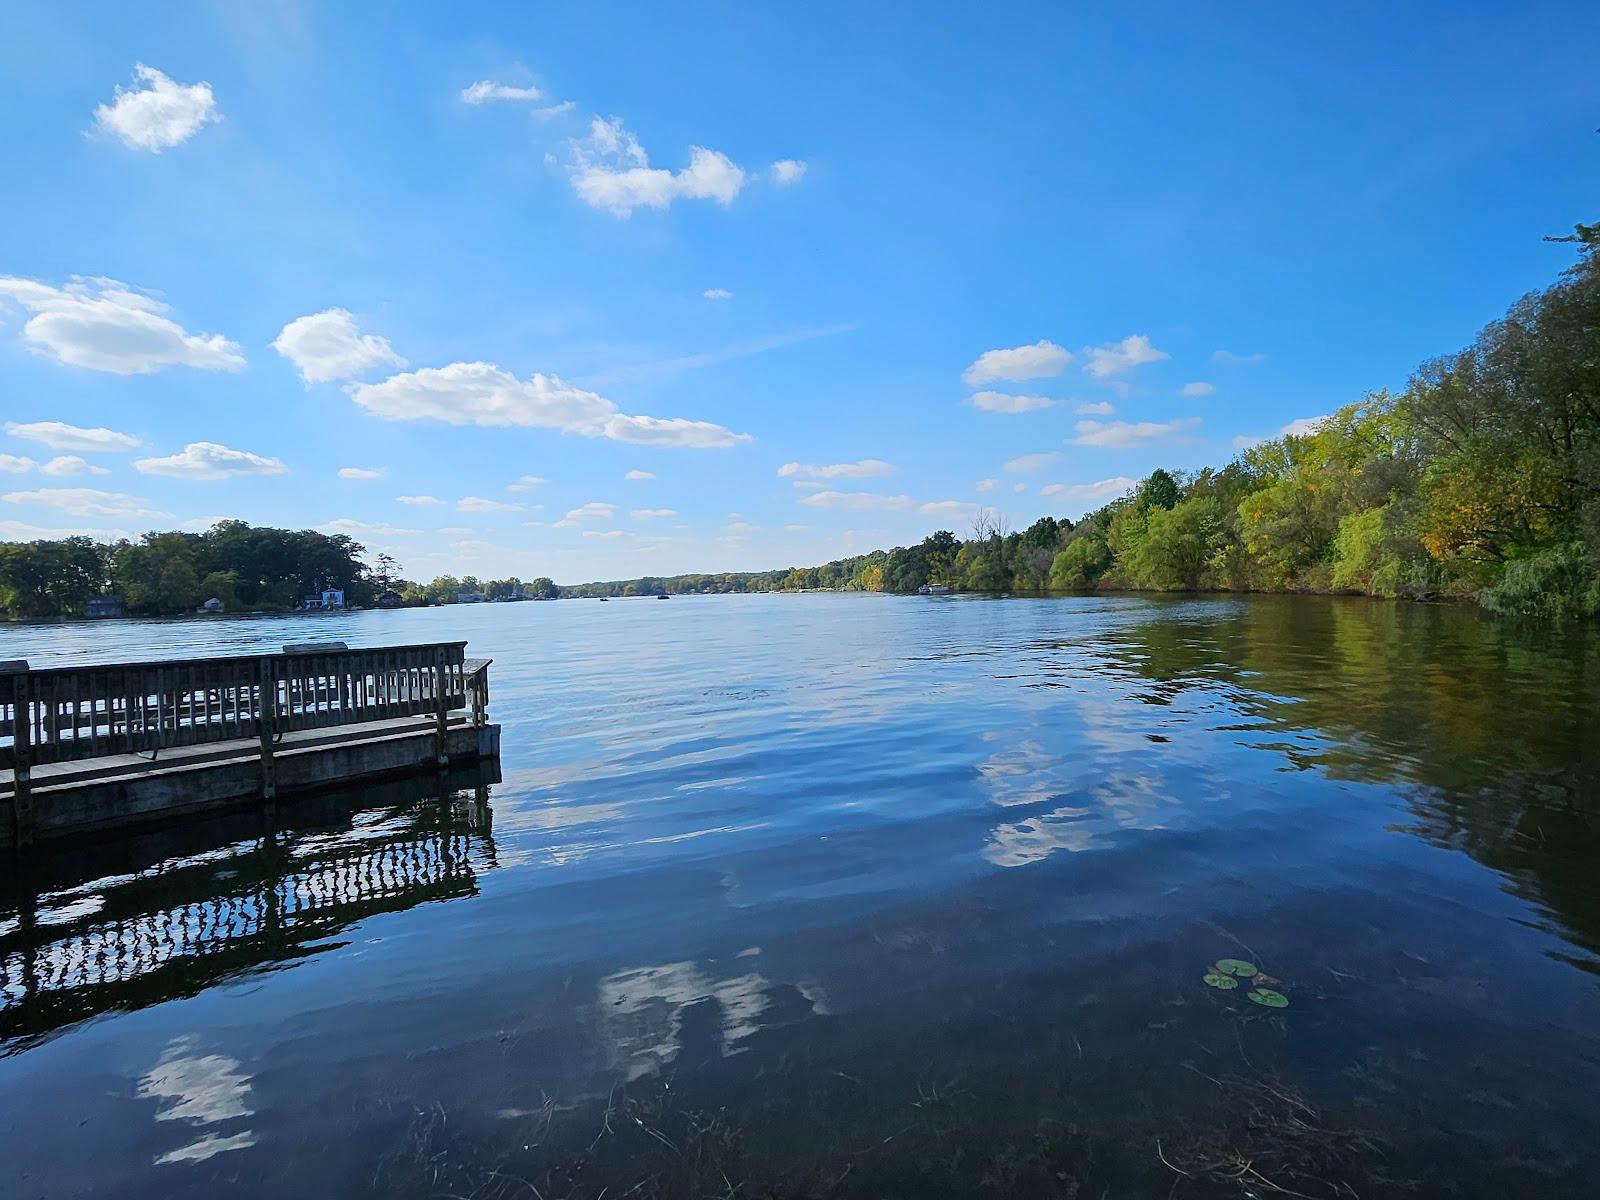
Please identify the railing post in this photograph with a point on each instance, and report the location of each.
(21, 746)
(266, 724)
(441, 697)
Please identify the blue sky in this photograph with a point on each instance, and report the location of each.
(633, 289)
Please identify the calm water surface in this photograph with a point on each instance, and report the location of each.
(856, 896)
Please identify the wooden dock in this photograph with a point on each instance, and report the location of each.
(95, 747)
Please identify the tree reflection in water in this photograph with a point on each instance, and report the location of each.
(1485, 726)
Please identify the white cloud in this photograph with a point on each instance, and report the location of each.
(88, 502)
(551, 111)
(637, 475)
(1096, 493)
(856, 501)
(797, 529)
(672, 431)
(1101, 408)
(16, 464)
(1004, 402)
(652, 514)
(418, 501)
(526, 483)
(1301, 426)
(479, 393)
(485, 90)
(866, 468)
(477, 504)
(1198, 389)
(158, 113)
(810, 485)
(717, 294)
(610, 170)
(209, 461)
(1123, 435)
(740, 528)
(1019, 488)
(23, 531)
(1116, 358)
(368, 528)
(987, 485)
(363, 473)
(107, 326)
(327, 345)
(787, 171)
(1039, 361)
(1232, 359)
(58, 435)
(71, 464)
(1024, 464)
(608, 533)
(594, 510)
(949, 508)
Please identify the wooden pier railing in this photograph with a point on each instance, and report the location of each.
(61, 714)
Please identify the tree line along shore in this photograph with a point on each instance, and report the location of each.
(1479, 481)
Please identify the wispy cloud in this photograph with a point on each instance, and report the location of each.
(1041, 360)
(788, 171)
(58, 435)
(208, 462)
(1005, 402)
(610, 170)
(1089, 493)
(486, 90)
(89, 502)
(1025, 464)
(712, 358)
(1124, 435)
(856, 501)
(479, 504)
(1118, 358)
(866, 468)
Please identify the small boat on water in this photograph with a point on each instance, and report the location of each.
(662, 596)
(933, 589)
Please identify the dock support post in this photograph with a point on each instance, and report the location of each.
(441, 699)
(267, 721)
(22, 743)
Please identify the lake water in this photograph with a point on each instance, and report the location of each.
(857, 896)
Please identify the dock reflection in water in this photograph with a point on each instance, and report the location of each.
(168, 913)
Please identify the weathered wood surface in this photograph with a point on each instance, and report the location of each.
(64, 714)
(57, 714)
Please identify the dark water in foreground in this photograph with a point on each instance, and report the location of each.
(858, 896)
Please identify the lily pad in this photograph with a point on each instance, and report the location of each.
(1235, 966)
(1270, 998)
(1224, 982)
